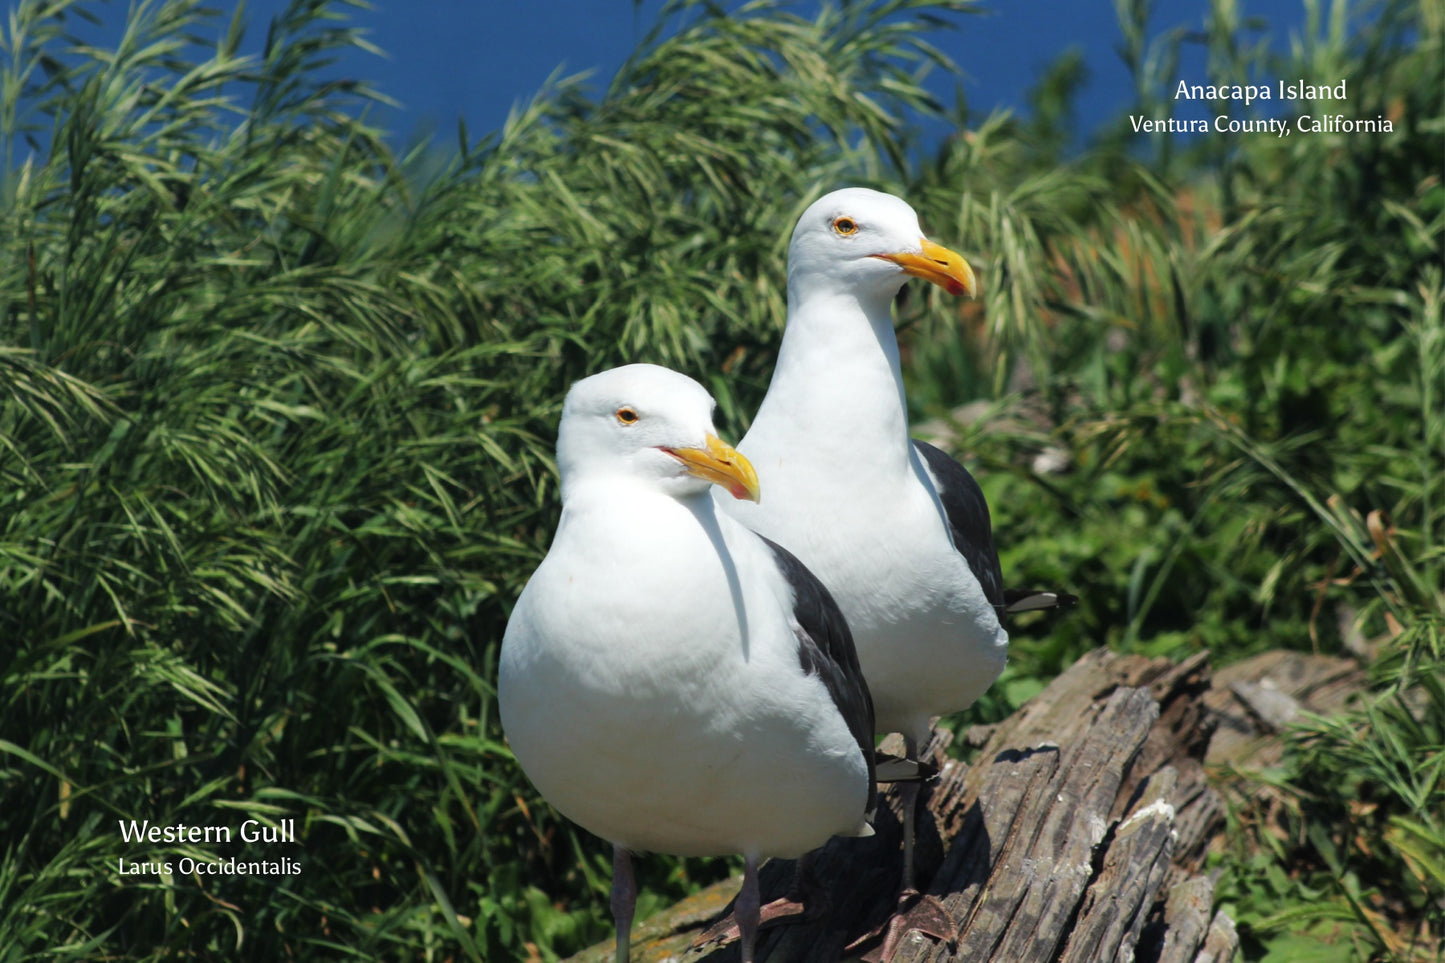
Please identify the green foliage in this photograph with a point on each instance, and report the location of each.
(276, 410)
(1349, 853)
(1233, 371)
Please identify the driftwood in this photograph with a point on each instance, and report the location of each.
(1077, 834)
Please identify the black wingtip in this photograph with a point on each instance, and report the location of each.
(890, 768)
(1034, 600)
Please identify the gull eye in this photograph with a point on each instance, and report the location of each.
(845, 226)
(627, 416)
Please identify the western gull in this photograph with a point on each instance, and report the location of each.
(670, 680)
(898, 531)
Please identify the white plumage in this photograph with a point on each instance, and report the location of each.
(896, 530)
(655, 680)
(848, 492)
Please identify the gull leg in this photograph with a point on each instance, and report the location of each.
(748, 908)
(803, 896)
(908, 794)
(915, 910)
(805, 901)
(624, 900)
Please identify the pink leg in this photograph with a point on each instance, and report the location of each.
(805, 901)
(748, 908)
(624, 900)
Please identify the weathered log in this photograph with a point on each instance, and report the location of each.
(1076, 835)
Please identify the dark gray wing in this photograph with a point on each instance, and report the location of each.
(967, 512)
(825, 649)
(968, 517)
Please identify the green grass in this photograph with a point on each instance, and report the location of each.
(277, 405)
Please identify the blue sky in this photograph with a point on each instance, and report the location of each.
(477, 58)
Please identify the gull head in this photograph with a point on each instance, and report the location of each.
(868, 243)
(649, 424)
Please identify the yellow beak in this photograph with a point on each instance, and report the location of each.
(721, 464)
(937, 264)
